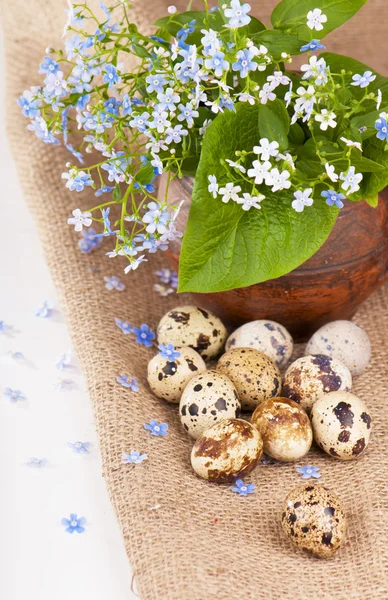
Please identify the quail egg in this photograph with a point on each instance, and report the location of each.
(311, 376)
(267, 336)
(208, 398)
(194, 327)
(284, 428)
(254, 374)
(314, 519)
(168, 378)
(229, 448)
(341, 424)
(345, 341)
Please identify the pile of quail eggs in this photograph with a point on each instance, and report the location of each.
(311, 399)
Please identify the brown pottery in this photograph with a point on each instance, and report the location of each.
(331, 285)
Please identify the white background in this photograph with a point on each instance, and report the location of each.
(38, 559)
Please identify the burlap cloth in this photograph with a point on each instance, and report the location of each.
(203, 543)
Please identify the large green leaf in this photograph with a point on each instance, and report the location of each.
(225, 247)
(174, 23)
(291, 15)
(375, 182)
(367, 120)
(274, 123)
(278, 42)
(337, 63)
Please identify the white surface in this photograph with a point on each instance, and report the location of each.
(38, 559)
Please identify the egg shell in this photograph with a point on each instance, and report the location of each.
(284, 428)
(167, 379)
(309, 377)
(269, 337)
(228, 449)
(254, 374)
(194, 327)
(314, 519)
(345, 341)
(342, 425)
(208, 398)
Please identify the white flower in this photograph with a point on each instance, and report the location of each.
(330, 170)
(235, 165)
(315, 18)
(288, 96)
(161, 52)
(288, 158)
(315, 68)
(278, 180)
(206, 123)
(249, 201)
(213, 185)
(135, 263)
(351, 179)
(307, 98)
(266, 149)
(326, 119)
(230, 192)
(80, 219)
(278, 78)
(259, 171)
(302, 199)
(244, 97)
(172, 9)
(266, 94)
(379, 99)
(352, 144)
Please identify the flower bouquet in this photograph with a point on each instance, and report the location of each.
(275, 153)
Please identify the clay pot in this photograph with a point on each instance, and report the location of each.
(331, 285)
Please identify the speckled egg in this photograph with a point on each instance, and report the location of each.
(309, 377)
(194, 327)
(345, 341)
(314, 519)
(284, 428)
(228, 449)
(267, 336)
(342, 424)
(208, 398)
(167, 379)
(254, 374)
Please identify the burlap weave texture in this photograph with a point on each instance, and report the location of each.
(203, 543)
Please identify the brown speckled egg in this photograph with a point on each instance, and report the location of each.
(267, 336)
(314, 519)
(309, 377)
(228, 449)
(285, 429)
(208, 398)
(194, 327)
(345, 341)
(254, 374)
(167, 379)
(341, 424)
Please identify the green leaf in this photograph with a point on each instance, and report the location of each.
(225, 247)
(278, 42)
(274, 123)
(140, 51)
(117, 193)
(367, 120)
(216, 22)
(145, 174)
(337, 63)
(374, 183)
(291, 15)
(372, 200)
(296, 135)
